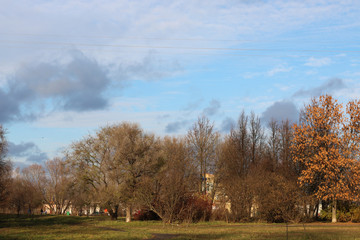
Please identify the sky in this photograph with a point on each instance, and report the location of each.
(68, 68)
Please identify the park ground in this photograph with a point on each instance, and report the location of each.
(101, 227)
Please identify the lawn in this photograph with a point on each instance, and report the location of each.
(99, 227)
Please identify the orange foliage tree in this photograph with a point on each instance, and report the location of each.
(326, 149)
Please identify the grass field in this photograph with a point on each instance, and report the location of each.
(99, 227)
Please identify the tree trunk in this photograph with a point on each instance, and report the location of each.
(317, 210)
(128, 213)
(333, 208)
(114, 213)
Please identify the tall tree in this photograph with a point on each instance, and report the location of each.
(203, 140)
(234, 168)
(24, 195)
(169, 190)
(5, 168)
(285, 134)
(36, 175)
(256, 138)
(114, 161)
(325, 145)
(18, 195)
(36, 183)
(91, 165)
(136, 156)
(274, 144)
(58, 186)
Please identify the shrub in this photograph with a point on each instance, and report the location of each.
(355, 214)
(220, 214)
(343, 216)
(197, 208)
(345, 213)
(145, 215)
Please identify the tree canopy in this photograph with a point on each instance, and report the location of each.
(326, 147)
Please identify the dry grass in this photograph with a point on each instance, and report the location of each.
(72, 227)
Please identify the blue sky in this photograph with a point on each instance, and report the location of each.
(70, 67)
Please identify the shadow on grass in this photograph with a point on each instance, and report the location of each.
(12, 220)
(162, 236)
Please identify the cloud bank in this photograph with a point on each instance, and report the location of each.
(281, 111)
(327, 87)
(212, 109)
(28, 150)
(78, 85)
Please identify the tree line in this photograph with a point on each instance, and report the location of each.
(280, 172)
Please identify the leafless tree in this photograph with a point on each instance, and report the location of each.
(168, 191)
(5, 169)
(203, 140)
(91, 168)
(58, 186)
(256, 138)
(25, 196)
(114, 161)
(273, 144)
(235, 166)
(36, 175)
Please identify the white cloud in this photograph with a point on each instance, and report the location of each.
(249, 75)
(318, 62)
(283, 87)
(96, 119)
(311, 72)
(278, 69)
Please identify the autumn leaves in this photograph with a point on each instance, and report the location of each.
(326, 147)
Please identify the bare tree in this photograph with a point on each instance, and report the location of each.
(5, 169)
(239, 140)
(58, 187)
(233, 176)
(35, 174)
(113, 162)
(136, 156)
(203, 140)
(35, 181)
(274, 144)
(24, 195)
(256, 138)
(90, 161)
(82, 193)
(18, 195)
(168, 191)
(235, 166)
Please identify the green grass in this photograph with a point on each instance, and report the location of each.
(99, 227)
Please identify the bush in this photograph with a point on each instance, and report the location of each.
(145, 215)
(355, 214)
(343, 216)
(220, 214)
(347, 212)
(197, 208)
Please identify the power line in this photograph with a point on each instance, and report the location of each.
(162, 38)
(177, 47)
(171, 53)
(127, 38)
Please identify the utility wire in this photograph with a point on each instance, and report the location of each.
(126, 38)
(171, 53)
(162, 38)
(177, 48)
